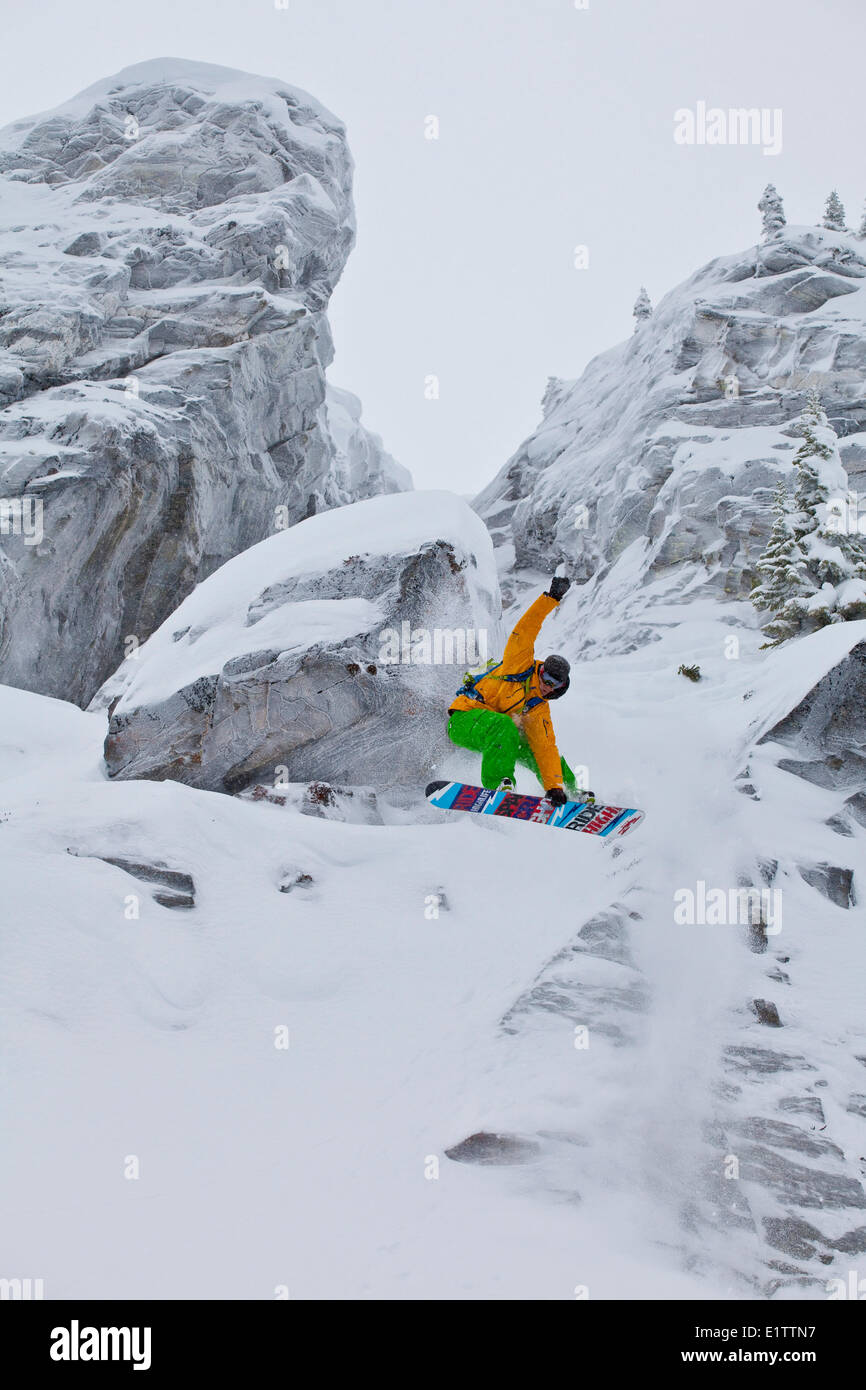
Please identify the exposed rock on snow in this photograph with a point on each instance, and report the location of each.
(669, 445)
(354, 805)
(786, 1136)
(607, 935)
(763, 1060)
(766, 1013)
(592, 983)
(828, 727)
(178, 888)
(498, 1149)
(835, 883)
(798, 1184)
(826, 732)
(295, 879)
(168, 244)
(804, 1105)
(805, 1242)
(273, 669)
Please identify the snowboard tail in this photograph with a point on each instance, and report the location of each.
(590, 817)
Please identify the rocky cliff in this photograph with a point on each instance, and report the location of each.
(659, 463)
(169, 240)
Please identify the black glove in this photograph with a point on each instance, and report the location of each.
(559, 587)
(556, 796)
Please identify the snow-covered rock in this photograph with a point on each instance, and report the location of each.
(360, 467)
(788, 1120)
(298, 659)
(169, 240)
(665, 453)
(826, 729)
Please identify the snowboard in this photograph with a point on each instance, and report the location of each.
(590, 817)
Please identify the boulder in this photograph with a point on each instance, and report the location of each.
(325, 654)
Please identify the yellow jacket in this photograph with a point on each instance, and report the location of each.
(511, 697)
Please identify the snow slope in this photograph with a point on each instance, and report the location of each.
(304, 1167)
(155, 1038)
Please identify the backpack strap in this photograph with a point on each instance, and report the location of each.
(470, 682)
(519, 677)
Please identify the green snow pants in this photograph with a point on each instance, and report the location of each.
(499, 741)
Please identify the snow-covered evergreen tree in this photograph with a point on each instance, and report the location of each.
(780, 567)
(834, 213)
(773, 212)
(812, 571)
(642, 308)
(552, 394)
(861, 231)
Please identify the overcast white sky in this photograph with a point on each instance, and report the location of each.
(556, 130)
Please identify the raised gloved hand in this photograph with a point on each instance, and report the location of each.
(559, 587)
(556, 796)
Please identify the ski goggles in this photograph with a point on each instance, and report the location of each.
(550, 680)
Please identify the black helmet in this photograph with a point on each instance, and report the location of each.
(554, 670)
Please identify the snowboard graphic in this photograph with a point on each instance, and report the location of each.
(591, 817)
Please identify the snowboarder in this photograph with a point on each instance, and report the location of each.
(504, 714)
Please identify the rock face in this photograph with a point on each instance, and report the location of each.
(805, 1191)
(672, 442)
(827, 729)
(823, 741)
(169, 242)
(298, 659)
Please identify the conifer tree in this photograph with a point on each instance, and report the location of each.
(834, 213)
(780, 568)
(642, 308)
(813, 570)
(773, 212)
